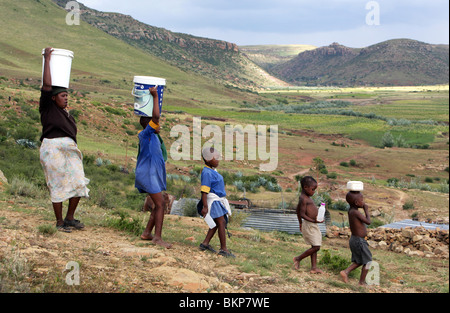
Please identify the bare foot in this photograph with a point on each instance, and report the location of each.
(316, 271)
(344, 276)
(146, 237)
(363, 284)
(162, 243)
(296, 264)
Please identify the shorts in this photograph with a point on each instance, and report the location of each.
(311, 233)
(360, 250)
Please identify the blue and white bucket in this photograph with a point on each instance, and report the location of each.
(143, 100)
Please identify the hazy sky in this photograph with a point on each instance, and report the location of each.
(354, 23)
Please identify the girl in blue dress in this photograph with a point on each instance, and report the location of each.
(215, 205)
(151, 171)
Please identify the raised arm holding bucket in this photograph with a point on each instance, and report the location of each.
(151, 170)
(59, 155)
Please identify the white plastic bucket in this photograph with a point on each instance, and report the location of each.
(143, 100)
(60, 67)
(355, 186)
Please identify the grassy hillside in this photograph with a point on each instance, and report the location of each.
(399, 62)
(218, 60)
(101, 63)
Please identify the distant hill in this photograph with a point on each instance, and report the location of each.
(268, 56)
(103, 65)
(101, 62)
(394, 62)
(215, 59)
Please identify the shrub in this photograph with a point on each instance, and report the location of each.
(121, 220)
(75, 113)
(25, 132)
(319, 164)
(47, 229)
(335, 263)
(238, 218)
(340, 206)
(387, 140)
(408, 205)
(103, 197)
(190, 209)
(322, 197)
(99, 162)
(24, 188)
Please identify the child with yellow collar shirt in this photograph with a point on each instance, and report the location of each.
(216, 208)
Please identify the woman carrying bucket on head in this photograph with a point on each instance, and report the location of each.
(151, 167)
(60, 157)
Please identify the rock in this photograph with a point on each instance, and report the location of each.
(224, 287)
(3, 178)
(3, 181)
(413, 253)
(332, 234)
(185, 279)
(165, 260)
(429, 254)
(425, 248)
(408, 232)
(375, 213)
(440, 250)
(417, 238)
(246, 276)
(137, 251)
(411, 241)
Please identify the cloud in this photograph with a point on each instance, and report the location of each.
(317, 22)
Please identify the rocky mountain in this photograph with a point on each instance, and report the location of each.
(216, 59)
(393, 62)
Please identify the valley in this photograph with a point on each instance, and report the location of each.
(393, 138)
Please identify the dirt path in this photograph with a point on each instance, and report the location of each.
(111, 261)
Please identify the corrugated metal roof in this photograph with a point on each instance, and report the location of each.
(414, 224)
(271, 220)
(264, 219)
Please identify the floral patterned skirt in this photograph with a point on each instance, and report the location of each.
(62, 162)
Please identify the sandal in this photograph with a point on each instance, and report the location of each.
(63, 228)
(226, 254)
(74, 223)
(207, 247)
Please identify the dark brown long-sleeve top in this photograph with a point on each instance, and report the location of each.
(56, 122)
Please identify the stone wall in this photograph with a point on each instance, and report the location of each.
(411, 241)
